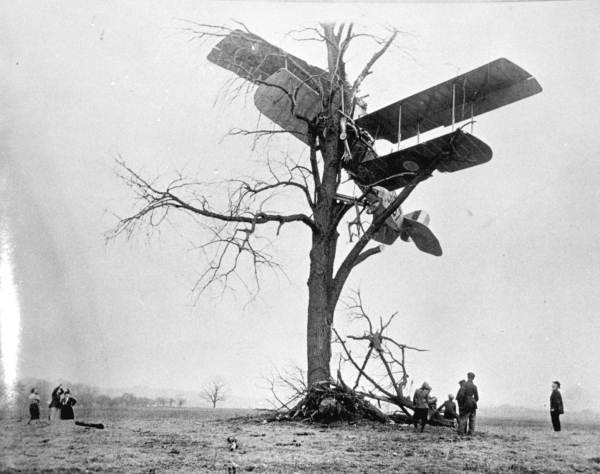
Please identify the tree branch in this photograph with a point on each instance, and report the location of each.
(353, 362)
(367, 69)
(367, 253)
(232, 233)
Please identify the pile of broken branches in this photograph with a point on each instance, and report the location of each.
(331, 401)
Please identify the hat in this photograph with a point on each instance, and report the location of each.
(557, 383)
(460, 382)
(426, 386)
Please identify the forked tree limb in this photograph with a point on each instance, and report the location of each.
(353, 362)
(367, 69)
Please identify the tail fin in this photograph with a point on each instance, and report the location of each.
(414, 227)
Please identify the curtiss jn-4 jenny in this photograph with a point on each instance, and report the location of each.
(280, 76)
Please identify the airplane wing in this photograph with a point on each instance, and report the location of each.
(460, 150)
(272, 99)
(486, 88)
(254, 59)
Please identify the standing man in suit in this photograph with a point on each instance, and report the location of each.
(467, 398)
(556, 405)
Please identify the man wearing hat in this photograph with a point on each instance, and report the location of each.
(467, 398)
(421, 402)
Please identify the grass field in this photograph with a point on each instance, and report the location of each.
(194, 440)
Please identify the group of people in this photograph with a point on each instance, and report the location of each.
(60, 407)
(467, 398)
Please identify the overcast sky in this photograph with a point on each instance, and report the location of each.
(514, 298)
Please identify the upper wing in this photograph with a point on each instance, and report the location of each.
(254, 59)
(486, 88)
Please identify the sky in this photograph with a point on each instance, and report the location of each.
(514, 297)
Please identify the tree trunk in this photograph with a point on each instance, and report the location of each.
(322, 298)
(320, 309)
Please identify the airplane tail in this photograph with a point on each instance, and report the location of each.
(411, 226)
(414, 227)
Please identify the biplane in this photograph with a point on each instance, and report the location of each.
(289, 92)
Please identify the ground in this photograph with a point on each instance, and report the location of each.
(194, 440)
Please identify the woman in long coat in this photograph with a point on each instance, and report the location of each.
(556, 405)
(66, 406)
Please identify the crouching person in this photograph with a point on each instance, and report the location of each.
(449, 409)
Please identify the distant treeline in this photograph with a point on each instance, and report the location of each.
(86, 396)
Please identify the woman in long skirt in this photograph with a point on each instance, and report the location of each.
(66, 406)
(34, 405)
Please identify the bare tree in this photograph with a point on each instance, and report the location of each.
(237, 231)
(214, 391)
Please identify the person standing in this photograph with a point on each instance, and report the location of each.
(421, 404)
(460, 398)
(556, 405)
(467, 398)
(66, 406)
(55, 403)
(34, 405)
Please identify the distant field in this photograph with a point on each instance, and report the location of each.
(193, 440)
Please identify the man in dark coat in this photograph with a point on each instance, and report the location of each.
(556, 405)
(467, 398)
(421, 402)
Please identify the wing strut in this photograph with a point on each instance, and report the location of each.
(472, 120)
(453, 104)
(399, 125)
